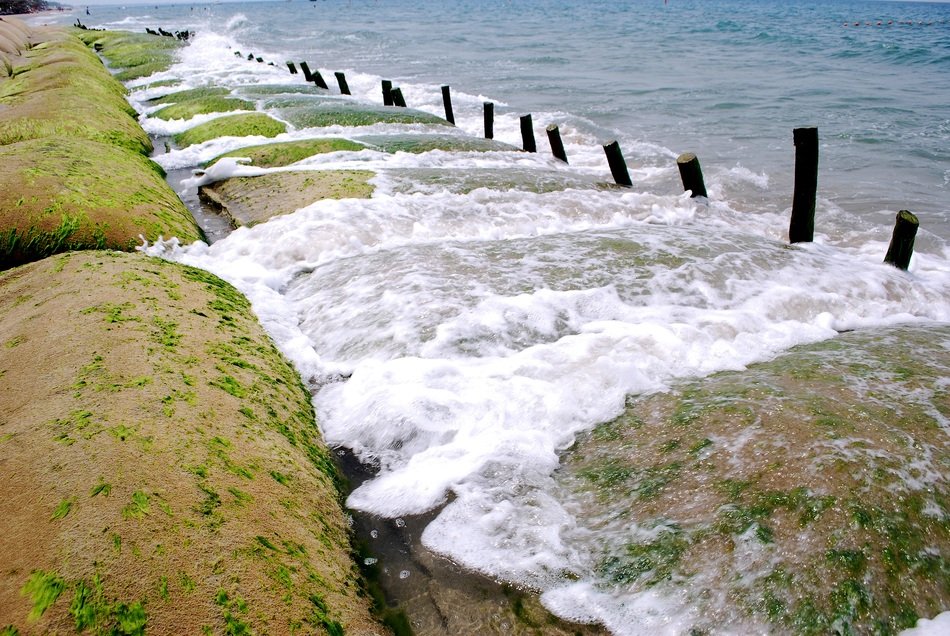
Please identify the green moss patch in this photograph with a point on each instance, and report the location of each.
(136, 54)
(190, 94)
(424, 143)
(60, 194)
(65, 91)
(229, 489)
(247, 125)
(801, 492)
(345, 113)
(202, 106)
(285, 153)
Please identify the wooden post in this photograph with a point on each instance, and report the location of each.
(387, 93)
(318, 80)
(557, 148)
(447, 102)
(618, 167)
(307, 75)
(341, 80)
(691, 174)
(902, 240)
(801, 229)
(489, 120)
(293, 69)
(398, 99)
(527, 134)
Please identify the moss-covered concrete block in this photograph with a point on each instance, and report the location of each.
(246, 125)
(136, 54)
(285, 153)
(162, 469)
(59, 194)
(252, 200)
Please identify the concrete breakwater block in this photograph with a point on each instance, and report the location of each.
(161, 466)
(248, 201)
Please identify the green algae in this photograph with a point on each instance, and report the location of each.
(320, 114)
(202, 106)
(60, 194)
(91, 610)
(66, 92)
(285, 153)
(245, 125)
(43, 589)
(190, 94)
(417, 144)
(848, 538)
(137, 54)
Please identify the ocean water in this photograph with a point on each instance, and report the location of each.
(461, 337)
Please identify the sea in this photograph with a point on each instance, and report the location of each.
(460, 336)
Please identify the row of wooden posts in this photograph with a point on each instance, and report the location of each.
(801, 227)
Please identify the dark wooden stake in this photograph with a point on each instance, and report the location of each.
(527, 134)
(387, 93)
(398, 99)
(293, 69)
(341, 80)
(307, 75)
(318, 80)
(447, 102)
(489, 120)
(691, 174)
(902, 240)
(618, 167)
(801, 229)
(557, 147)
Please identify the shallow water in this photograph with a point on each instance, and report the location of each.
(485, 318)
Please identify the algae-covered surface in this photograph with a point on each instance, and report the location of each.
(245, 125)
(201, 106)
(419, 143)
(160, 467)
(808, 494)
(62, 89)
(252, 200)
(337, 112)
(430, 180)
(134, 54)
(59, 194)
(281, 154)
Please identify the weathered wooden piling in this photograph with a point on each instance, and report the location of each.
(447, 102)
(691, 174)
(341, 80)
(902, 240)
(307, 75)
(398, 99)
(557, 147)
(293, 69)
(489, 120)
(319, 81)
(618, 167)
(387, 93)
(527, 134)
(801, 229)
